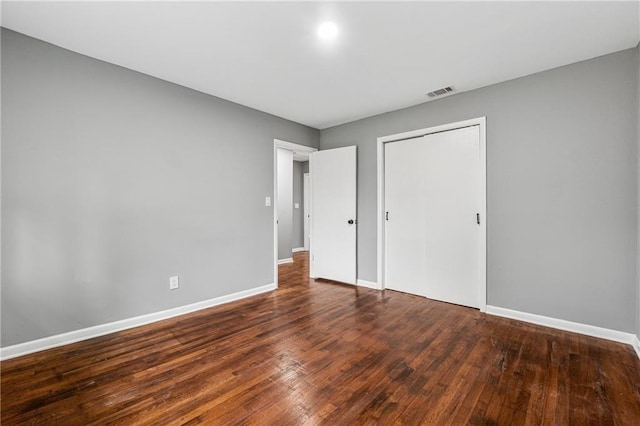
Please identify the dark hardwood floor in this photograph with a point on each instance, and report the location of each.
(320, 352)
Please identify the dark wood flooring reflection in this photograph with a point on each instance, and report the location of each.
(320, 352)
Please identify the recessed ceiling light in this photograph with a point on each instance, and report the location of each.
(327, 30)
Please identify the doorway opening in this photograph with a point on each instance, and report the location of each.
(290, 161)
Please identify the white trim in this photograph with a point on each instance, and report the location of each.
(277, 143)
(312, 273)
(636, 345)
(287, 260)
(575, 327)
(368, 284)
(297, 249)
(482, 123)
(306, 208)
(380, 219)
(294, 146)
(102, 329)
(274, 206)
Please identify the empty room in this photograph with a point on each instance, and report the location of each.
(292, 213)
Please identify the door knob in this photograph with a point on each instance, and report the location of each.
(350, 221)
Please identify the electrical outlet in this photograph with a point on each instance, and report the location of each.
(174, 283)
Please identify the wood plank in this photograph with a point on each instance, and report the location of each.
(315, 351)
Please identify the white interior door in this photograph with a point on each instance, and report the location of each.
(306, 188)
(333, 214)
(432, 198)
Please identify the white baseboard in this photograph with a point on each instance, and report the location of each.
(368, 284)
(283, 261)
(636, 345)
(589, 330)
(297, 249)
(102, 329)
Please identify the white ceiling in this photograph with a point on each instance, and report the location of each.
(387, 56)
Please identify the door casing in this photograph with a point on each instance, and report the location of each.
(306, 195)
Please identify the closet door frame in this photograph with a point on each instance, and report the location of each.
(481, 122)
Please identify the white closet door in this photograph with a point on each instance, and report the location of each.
(432, 197)
(406, 246)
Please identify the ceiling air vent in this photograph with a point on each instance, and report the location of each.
(440, 92)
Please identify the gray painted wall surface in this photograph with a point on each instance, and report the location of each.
(285, 203)
(298, 214)
(562, 187)
(638, 221)
(112, 181)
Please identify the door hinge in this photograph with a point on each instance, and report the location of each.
(478, 218)
(387, 216)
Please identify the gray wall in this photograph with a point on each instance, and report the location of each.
(562, 187)
(112, 181)
(298, 214)
(638, 169)
(285, 203)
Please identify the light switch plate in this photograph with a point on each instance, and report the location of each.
(174, 282)
(267, 201)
